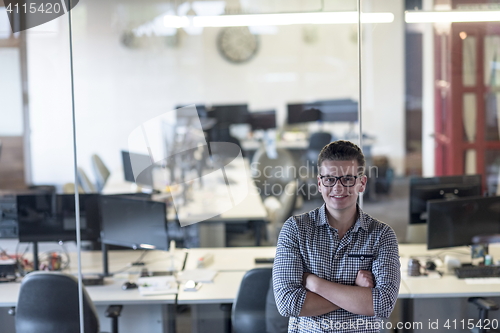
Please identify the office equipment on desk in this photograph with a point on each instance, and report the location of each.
(465, 272)
(302, 113)
(134, 223)
(262, 120)
(337, 110)
(192, 286)
(455, 222)
(157, 285)
(138, 168)
(49, 302)
(446, 187)
(205, 260)
(51, 218)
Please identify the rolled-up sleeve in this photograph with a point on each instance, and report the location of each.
(287, 272)
(387, 274)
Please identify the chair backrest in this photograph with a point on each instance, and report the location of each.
(85, 182)
(48, 303)
(248, 313)
(319, 139)
(101, 172)
(268, 171)
(288, 199)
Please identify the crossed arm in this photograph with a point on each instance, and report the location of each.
(324, 296)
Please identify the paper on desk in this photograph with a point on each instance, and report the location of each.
(157, 285)
(493, 280)
(197, 275)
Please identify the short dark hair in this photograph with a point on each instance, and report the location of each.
(342, 150)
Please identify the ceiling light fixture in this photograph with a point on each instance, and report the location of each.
(452, 16)
(277, 19)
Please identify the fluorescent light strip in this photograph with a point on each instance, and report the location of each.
(452, 16)
(277, 19)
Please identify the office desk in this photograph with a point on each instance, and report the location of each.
(140, 313)
(445, 298)
(231, 259)
(213, 203)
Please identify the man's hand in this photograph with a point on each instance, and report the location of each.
(364, 279)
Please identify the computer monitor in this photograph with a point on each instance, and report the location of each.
(262, 120)
(337, 110)
(455, 222)
(52, 218)
(134, 223)
(229, 114)
(303, 113)
(433, 188)
(141, 162)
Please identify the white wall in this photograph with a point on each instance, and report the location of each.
(11, 115)
(117, 88)
(383, 82)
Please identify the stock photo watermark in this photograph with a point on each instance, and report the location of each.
(26, 14)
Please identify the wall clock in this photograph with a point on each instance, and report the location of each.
(237, 44)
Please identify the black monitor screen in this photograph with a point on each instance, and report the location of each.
(141, 162)
(455, 222)
(52, 218)
(229, 114)
(338, 110)
(262, 120)
(303, 113)
(134, 223)
(434, 188)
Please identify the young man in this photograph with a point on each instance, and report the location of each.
(336, 268)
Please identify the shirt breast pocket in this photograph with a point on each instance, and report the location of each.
(360, 261)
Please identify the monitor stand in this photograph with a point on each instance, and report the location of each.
(36, 263)
(416, 233)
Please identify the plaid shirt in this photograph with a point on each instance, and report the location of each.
(307, 243)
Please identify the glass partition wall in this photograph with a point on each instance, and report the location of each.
(181, 106)
(37, 218)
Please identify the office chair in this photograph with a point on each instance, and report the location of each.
(84, 181)
(248, 312)
(484, 305)
(48, 303)
(279, 210)
(101, 172)
(316, 142)
(267, 171)
(310, 158)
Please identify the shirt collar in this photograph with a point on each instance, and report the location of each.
(361, 221)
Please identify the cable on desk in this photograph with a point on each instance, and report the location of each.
(185, 261)
(132, 264)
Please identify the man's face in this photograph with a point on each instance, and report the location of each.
(340, 197)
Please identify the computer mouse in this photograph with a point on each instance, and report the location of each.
(430, 265)
(129, 285)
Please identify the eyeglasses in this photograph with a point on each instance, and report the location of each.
(330, 181)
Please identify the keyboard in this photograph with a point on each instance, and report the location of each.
(477, 272)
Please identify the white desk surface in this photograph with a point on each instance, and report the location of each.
(111, 292)
(251, 208)
(213, 198)
(231, 259)
(222, 290)
(448, 285)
